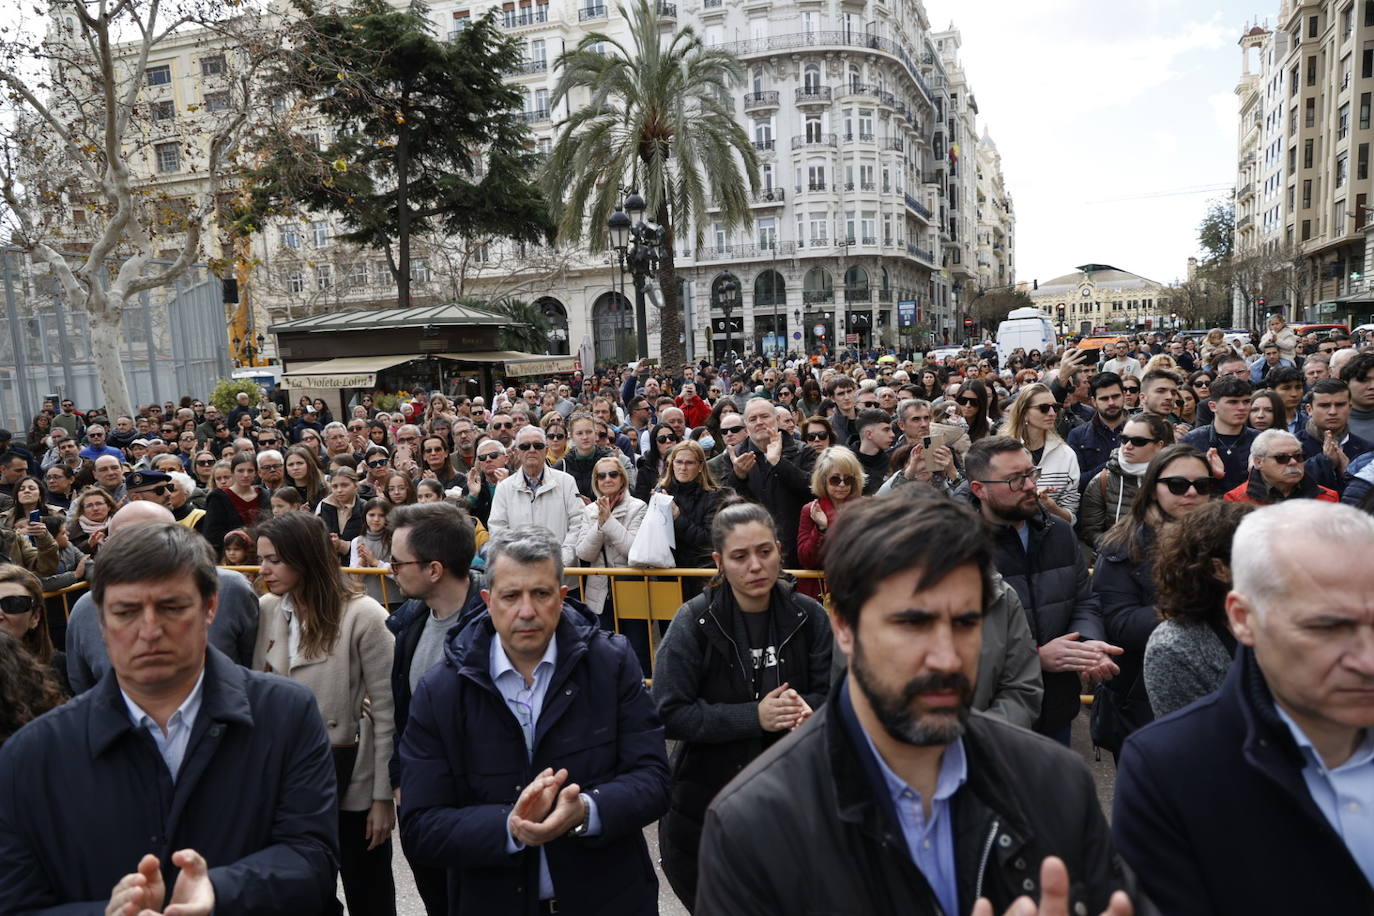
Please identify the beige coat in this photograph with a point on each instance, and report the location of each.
(352, 686)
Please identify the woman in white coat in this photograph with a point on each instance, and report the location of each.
(609, 526)
(1032, 421)
(321, 631)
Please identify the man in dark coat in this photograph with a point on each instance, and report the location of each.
(533, 757)
(181, 777)
(1257, 799)
(772, 469)
(895, 797)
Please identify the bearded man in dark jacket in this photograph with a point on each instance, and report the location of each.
(895, 797)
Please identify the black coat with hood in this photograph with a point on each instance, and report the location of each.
(696, 508)
(703, 686)
(781, 488)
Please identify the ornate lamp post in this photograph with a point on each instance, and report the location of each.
(639, 247)
(245, 346)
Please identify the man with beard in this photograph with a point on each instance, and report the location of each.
(1094, 441)
(896, 797)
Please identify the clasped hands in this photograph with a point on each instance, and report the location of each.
(141, 892)
(547, 809)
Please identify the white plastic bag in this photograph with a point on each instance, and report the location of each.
(655, 540)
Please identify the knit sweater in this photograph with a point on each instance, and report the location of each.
(1184, 661)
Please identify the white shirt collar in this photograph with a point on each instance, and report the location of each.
(500, 662)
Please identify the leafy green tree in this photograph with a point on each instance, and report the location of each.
(1217, 232)
(431, 140)
(659, 118)
(528, 331)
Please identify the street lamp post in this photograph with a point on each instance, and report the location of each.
(1060, 309)
(245, 346)
(727, 295)
(639, 246)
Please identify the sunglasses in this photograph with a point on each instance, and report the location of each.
(502, 425)
(840, 480)
(1288, 458)
(968, 401)
(1200, 383)
(489, 457)
(379, 463)
(526, 446)
(1205, 486)
(16, 604)
(205, 463)
(1137, 441)
(1135, 390)
(662, 439)
(607, 475)
(817, 436)
(1045, 408)
(556, 437)
(731, 430)
(161, 489)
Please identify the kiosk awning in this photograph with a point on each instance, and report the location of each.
(345, 371)
(515, 363)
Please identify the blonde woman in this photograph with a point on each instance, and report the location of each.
(609, 526)
(837, 480)
(1031, 422)
(695, 500)
(1160, 361)
(323, 632)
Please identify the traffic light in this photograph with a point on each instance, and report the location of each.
(1260, 302)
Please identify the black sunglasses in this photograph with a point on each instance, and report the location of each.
(490, 456)
(526, 446)
(161, 489)
(1288, 458)
(817, 436)
(836, 480)
(1137, 441)
(556, 437)
(606, 475)
(662, 439)
(502, 425)
(730, 430)
(1045, 408)
(968, 401)
(1205, 486)
(16, 604)
(1130, 390)
(377, 463)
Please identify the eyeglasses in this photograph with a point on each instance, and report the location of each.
(662, 439)
(503, 425)
(378, 463)
(491, 456)
(395, 562)
(526, 446)
(1045, 408)
(840, 480)
(817, 436)
(1137, 441)
(607, 475)
(968, 401)
(1130, 390)
(1200, 383)
(17, 604)
(731, 430)
(1327, 350)
(1018, 481)
(1288, 458)
(556, 437)
(867, 404)
(1205, 486)
(205, 463)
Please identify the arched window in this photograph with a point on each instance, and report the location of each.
(613, 326)
(856, 284)
(811, 78)
(817, 286)
(557, 316)
(769, 289)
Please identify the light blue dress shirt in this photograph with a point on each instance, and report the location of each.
(526, 703)
(1345, 795)
(931, 842)
(172, 745)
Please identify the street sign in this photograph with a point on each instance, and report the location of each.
(796, 335)
(819, 330)
(851, 338)
(906, 313)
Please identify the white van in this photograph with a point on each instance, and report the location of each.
(1027, 328)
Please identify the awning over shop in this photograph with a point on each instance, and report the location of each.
(345, 371)
(514, 363)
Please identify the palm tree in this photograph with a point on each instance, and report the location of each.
(528, 330)
(661, 118)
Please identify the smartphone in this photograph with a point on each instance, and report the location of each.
(35, 516)
(930, 444)
(1091, 355)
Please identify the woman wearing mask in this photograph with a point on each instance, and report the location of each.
(240, 505)
(1177, 482)
(609, 526)
(303, 473)
(742, 664)
(342, 511)
(837, 480)
(1031, 421)
(322, 632)
(1189, 653)
(653, 462)
(1109, 495)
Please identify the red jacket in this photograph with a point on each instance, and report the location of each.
(1256, 491)
(698, 412)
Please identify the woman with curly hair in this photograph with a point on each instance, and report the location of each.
(1189, 653)
(27, 688)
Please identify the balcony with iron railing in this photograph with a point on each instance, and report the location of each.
(817, 296)
(756, 100)
(536, 16)
(823, 39)
(713, 4)
(764, 146)
(861, 136)
(1244, 222)
(802, 140)
(814, 95)
(535, 115)
(768, 197)
(811, 186)
(916, 251)
(1246, 191)
(917, 207)
(667, 10)
(588, 13)
(526, 67)
(743, 252)
(894, 143)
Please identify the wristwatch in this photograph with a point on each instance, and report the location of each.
(581, 829)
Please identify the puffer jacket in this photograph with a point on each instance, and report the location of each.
(809, 827)
(1055, 589)
(1126, 589)
(607, 545)
(1106, 499)
(692, 527)
(703, 687)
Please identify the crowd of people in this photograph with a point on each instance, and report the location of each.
(1011, 538)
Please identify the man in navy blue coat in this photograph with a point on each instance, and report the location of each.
(180, 779)
(1260, 797)
(533, 757)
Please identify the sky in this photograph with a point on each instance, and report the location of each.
(1111, 119)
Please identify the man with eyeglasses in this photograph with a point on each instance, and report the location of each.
(464, 436)
(151, 486)
(70, 420)
(1038, 554)
(1277, 473)
(271, 469)
(492, 468)
(502, 428)
(548, 817)
(732, 434)
(206, 428)
(95, 444)
(536, 494)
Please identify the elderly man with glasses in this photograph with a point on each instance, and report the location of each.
(536, 494)
(1277, 473)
